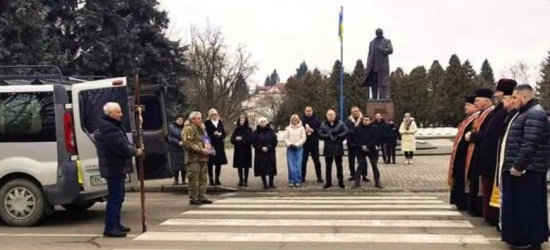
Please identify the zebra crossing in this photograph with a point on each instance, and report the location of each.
(319, 220)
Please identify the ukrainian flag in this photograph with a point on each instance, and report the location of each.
(341, 24)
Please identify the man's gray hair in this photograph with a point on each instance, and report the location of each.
(194, 114)
(110, 106)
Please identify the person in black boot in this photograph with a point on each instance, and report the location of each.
(177, 155)
(392, 135)
(265, 143)
(381, 128)
(312, 125)
(352, 122)
(242, 157)
(333, 132)
(216, 133)
(365, 137)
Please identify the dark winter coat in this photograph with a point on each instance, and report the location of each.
(350, 137)
(381, 130)
(113, 148)
(265, 163)
(242, 156)
(314, 123)
(477, 156)
(528, 145)
(488, 144)
(392, 135)
(177, 155)
(366, 136)
(334, 136)
(217, 142)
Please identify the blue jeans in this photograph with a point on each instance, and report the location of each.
(115, 185)
(294, 160)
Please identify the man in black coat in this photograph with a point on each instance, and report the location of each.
(115, 160)
(312, 125)
(488, 143)
(365, 137)
(381, 129)
(352, 122)
(527, 153)
(333, 132)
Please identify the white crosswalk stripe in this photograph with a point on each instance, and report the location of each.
(320, 220)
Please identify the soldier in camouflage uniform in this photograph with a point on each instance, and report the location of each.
(193, 136)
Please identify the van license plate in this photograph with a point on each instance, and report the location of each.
(97, 180)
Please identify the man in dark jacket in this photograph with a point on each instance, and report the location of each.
(527, 151)
(391, 137)
(312, 125)
(115, 160)
(365, 137)
(352, 122)
(333, 132)
(485, 166)
(381, 129)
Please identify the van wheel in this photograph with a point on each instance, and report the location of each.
(21, 203)
(78, 207)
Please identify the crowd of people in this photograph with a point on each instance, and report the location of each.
(366, 139)
(500, 160)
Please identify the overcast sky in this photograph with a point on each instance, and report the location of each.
(281, 34)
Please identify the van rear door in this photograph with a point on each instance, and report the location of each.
(88, 100)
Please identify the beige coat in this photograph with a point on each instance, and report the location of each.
(295, 135)
(408, 138)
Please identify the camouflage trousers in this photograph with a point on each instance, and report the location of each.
(197, 176)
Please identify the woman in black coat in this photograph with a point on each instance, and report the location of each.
(242, 157)
(265, 143)
(392, 135)
(177, 155)
(216, 133)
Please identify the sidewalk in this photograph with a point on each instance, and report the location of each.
(427, 174)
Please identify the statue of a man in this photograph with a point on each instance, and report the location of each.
(377, 73)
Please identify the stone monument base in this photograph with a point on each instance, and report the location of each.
(385, 107)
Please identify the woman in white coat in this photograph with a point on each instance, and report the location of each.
(408, 139)
(295, 137)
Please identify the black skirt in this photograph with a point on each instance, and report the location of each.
(524, 208)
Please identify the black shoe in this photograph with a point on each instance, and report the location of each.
(341, 184)
(328, 185)
(320, 180)
(304, 181)
(124, 228)
(114, 234)
(266, 186)
(195, 202)
(218, 183)
(351, 178)
(241, 184)
(365, 179)
(245, 184)
(523, 246)
(378, 185)
(206, 201)
(211, 182)
(271, 186)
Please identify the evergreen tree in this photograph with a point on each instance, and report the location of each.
(355, 94)
(23, 36)
(543, 86)
(398, 80)
(272, 79)
(302, 70)
(486, 75)
(436, 83)
(267, 81)
(455, 88)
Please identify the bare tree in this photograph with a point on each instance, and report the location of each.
(522, 72)
(216, 73)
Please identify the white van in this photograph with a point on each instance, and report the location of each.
(47, 151)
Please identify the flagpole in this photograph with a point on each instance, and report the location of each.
(341, 64)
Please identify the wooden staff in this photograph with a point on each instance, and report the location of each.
(139, 143)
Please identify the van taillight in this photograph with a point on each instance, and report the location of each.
(70, 144)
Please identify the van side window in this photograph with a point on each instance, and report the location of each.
(152, 116)
(27, 117)
(91, 106)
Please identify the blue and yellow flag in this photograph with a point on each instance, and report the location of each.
(341, 24)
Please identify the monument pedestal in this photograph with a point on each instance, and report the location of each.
(385, 107)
